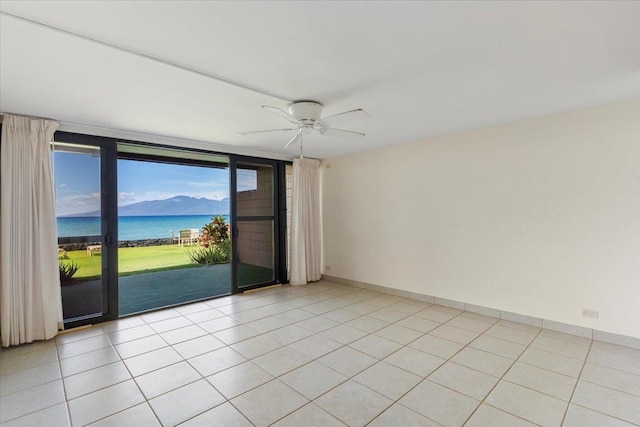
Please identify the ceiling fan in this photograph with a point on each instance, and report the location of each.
(305, 116)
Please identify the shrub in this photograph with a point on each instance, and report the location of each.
(214, 254)
(216, 230)
(67, 270)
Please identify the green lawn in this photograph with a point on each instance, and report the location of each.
(134, 260)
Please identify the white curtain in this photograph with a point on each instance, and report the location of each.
(30, 301)
(305, 222)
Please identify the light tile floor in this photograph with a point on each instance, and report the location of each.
(318, 355)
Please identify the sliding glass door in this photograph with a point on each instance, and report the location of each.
(255, 229)
(86, 229)
(143, 227)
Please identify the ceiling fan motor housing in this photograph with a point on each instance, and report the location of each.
(307, 112)
(306, 117)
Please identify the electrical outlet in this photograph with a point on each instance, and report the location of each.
(327, 268)
(589, 313)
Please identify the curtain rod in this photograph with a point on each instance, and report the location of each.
(150, 58)
(2, 114)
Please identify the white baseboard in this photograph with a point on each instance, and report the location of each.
(580, 331)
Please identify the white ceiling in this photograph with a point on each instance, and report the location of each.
(418, 68)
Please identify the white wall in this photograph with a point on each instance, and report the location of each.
(538, 217)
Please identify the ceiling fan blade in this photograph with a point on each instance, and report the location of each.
(293, 140)
(339, 132)
(345, 117)
(281, 113)
(266, 130)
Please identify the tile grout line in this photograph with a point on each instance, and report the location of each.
(239, 411)
(38, 385)
(132, 377)
(611, 388)
(483, 401)
(606, 415)
(64, 387)
(603, 386)
(566, 411)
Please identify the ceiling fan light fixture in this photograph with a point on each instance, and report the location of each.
(306, 111)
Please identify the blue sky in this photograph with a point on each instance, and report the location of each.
(77, 181)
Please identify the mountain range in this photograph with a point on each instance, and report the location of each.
(178, 205)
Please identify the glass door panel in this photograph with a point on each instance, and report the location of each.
(255, 252)
(82, 230)
(254, 227)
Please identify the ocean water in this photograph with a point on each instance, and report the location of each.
(133, 227)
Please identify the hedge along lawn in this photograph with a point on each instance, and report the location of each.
(133, 260)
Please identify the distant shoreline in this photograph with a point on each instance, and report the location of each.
(175, 206)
